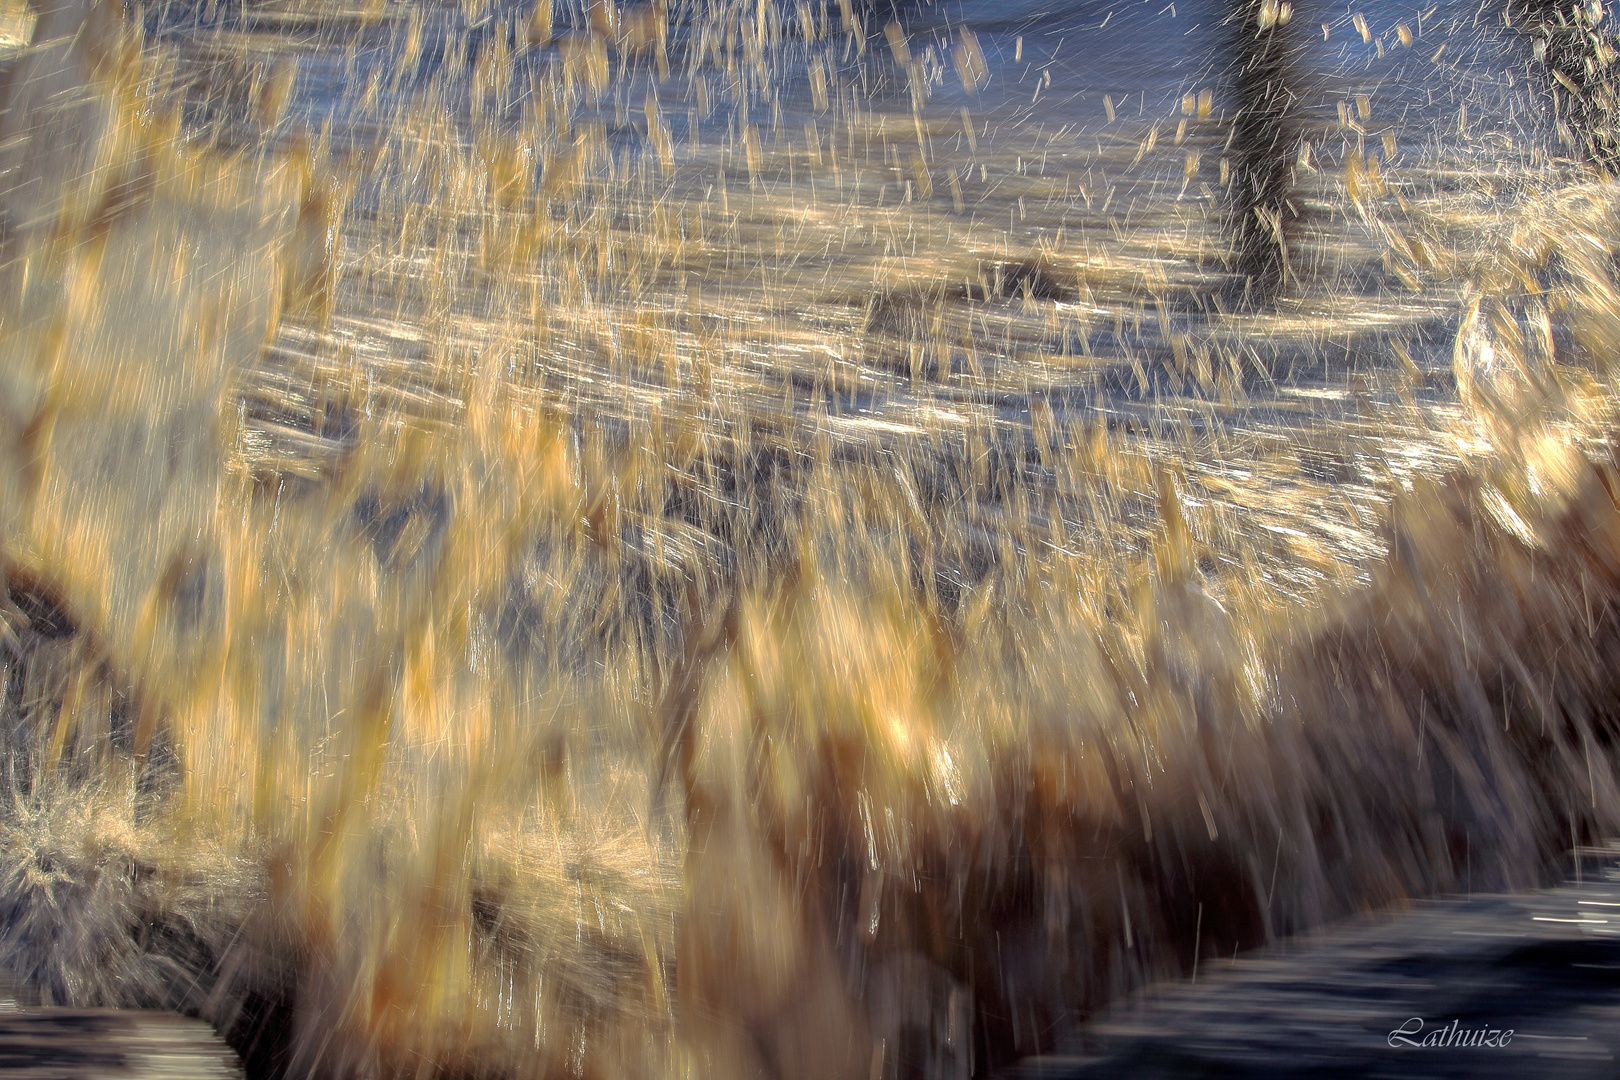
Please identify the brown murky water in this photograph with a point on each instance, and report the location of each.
(735, 541)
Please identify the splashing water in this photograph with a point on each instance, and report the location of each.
(759, 540)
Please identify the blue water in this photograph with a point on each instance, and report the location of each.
(1054, 65)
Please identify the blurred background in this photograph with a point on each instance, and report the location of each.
(737, 539)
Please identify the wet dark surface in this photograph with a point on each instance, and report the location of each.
(1545, 966)
(109, 1044)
